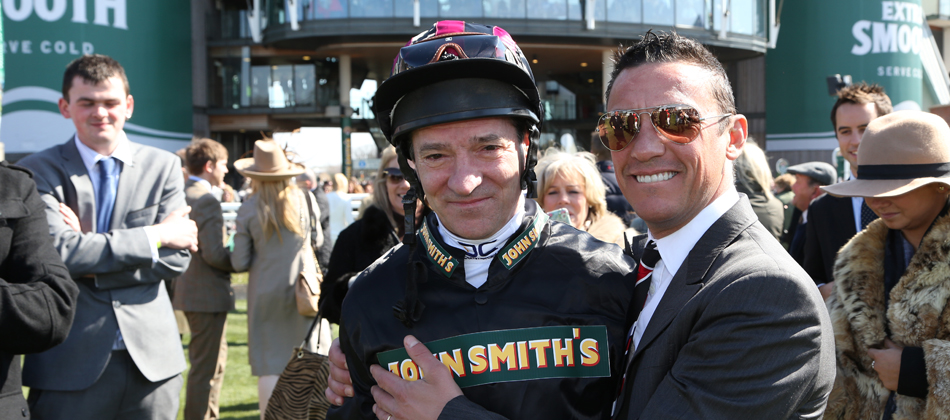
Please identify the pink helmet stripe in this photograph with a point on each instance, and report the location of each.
(505, 37)
(449, 27)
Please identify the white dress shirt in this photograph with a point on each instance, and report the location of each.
(674, 249)
(856, 203)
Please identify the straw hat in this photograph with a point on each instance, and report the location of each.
(899, 152)
(268, 164)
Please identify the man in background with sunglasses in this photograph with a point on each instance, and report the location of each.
(731, 326)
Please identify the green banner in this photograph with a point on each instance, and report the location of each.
(513, 355)
(871, 40)
(150, 38)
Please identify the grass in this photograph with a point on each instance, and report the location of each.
(239, 393)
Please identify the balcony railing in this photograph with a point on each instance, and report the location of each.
(748, 17)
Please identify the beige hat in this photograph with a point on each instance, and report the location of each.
(899, 152)
(268, 164)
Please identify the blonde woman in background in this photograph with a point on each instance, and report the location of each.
(754, 179)
(341, 211)
(272, 242)
(572, 182)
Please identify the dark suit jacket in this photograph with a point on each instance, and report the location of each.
(37, 297)
(741, 333)
(206, 284)
(120, 287)
(830, 226)
(323, 254)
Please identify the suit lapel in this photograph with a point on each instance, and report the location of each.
(845, 216)
(85, 205)
(128, 181)
(692, 275)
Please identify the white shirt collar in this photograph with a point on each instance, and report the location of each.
(675, 247)
(122, 152)
(202, 181)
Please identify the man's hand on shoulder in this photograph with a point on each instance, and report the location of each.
(423, 399)
(339, 384)
(177, 231)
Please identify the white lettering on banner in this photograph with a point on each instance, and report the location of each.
(882, 37)
(898, 71)
(899, 11)
(25, 46)
(58, 10)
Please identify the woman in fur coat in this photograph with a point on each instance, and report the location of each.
(378, 229)
(572, 182)
(892, 281)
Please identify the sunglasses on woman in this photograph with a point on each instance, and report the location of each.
(393, 175)
(677, 123)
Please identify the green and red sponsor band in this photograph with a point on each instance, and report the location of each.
(513, 355)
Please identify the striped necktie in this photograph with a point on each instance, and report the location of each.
(648, 261)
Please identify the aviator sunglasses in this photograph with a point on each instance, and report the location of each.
(678, 123)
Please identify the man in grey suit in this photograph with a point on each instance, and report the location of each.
(724, 324)
(204, 291)
(122, 358)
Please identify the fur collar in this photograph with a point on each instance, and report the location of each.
(917, 301)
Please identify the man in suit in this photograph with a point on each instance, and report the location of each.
(122, 358)
(204, 291)
(731, 327)
(809, 177)
(836, 219)
(308, 181)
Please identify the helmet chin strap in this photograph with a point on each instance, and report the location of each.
(409, 309)
(527, 161)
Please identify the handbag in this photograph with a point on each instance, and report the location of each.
(300, 390)
(307, 287)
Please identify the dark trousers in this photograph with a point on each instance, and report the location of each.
(208, 354)
(121, 393)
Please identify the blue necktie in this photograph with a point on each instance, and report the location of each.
(105, 193)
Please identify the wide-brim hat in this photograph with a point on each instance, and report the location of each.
(269, 163)
(899, 152)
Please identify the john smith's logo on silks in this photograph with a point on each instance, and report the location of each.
(513, 355)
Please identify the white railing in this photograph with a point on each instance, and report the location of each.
(230, 209)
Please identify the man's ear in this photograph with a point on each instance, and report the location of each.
(129, 107)
(737, 136)
(209, 167)
(64, 108)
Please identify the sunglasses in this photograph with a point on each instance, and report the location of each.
(447, 47)
(677, 123)
(393, 175)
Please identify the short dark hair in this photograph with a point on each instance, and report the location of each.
(94, 69)
(670, 47)
(202, 151)
(860, 94)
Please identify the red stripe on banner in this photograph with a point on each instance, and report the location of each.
(449, 27)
